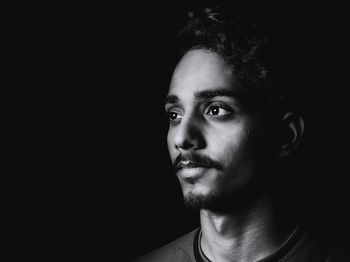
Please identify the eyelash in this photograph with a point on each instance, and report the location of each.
(228, 110)
(175, 117)
(170, 114)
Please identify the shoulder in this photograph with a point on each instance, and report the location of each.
(313, 247)
(180, 249)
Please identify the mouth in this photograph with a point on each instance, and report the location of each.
(191, 164)
(191, 171)
(192, 167)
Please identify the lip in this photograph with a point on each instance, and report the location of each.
(191, 164)
(192, 171)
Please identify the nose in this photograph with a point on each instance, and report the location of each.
(189, 135)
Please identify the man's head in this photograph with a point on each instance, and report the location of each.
(228, 117)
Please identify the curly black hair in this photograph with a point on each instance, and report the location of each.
(244, 43)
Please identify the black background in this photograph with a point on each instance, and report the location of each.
(104, 185)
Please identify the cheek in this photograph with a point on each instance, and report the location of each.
(239, 158)
(236, 142)
(171, 146)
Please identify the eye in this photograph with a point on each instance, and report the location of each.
(174, 116)
(218, 111)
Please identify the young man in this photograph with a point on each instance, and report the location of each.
(232, 137)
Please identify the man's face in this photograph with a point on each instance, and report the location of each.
(215, 133)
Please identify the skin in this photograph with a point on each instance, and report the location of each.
(210, 116)
(220, 127)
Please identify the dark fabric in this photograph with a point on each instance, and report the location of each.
(300, 247)
(180, 250)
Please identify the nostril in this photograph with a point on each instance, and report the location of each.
(186, 136)
(184, 145)
(189, 134)
(193, 139)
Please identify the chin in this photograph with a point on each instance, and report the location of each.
(199, 196)
(199, 201)
(218, 201)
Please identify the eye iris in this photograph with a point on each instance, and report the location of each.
(173, 116)
(215, 110)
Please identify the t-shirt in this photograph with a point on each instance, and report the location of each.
(299, 247)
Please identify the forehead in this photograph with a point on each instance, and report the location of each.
(200, 70)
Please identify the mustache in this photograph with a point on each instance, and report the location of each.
(195, 160)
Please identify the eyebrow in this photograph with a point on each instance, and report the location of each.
(173, 99)
(215, 93)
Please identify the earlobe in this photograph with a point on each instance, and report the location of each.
(293, 129)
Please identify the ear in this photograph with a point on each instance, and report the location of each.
(293, 129)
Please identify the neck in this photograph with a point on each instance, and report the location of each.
(246, 235)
